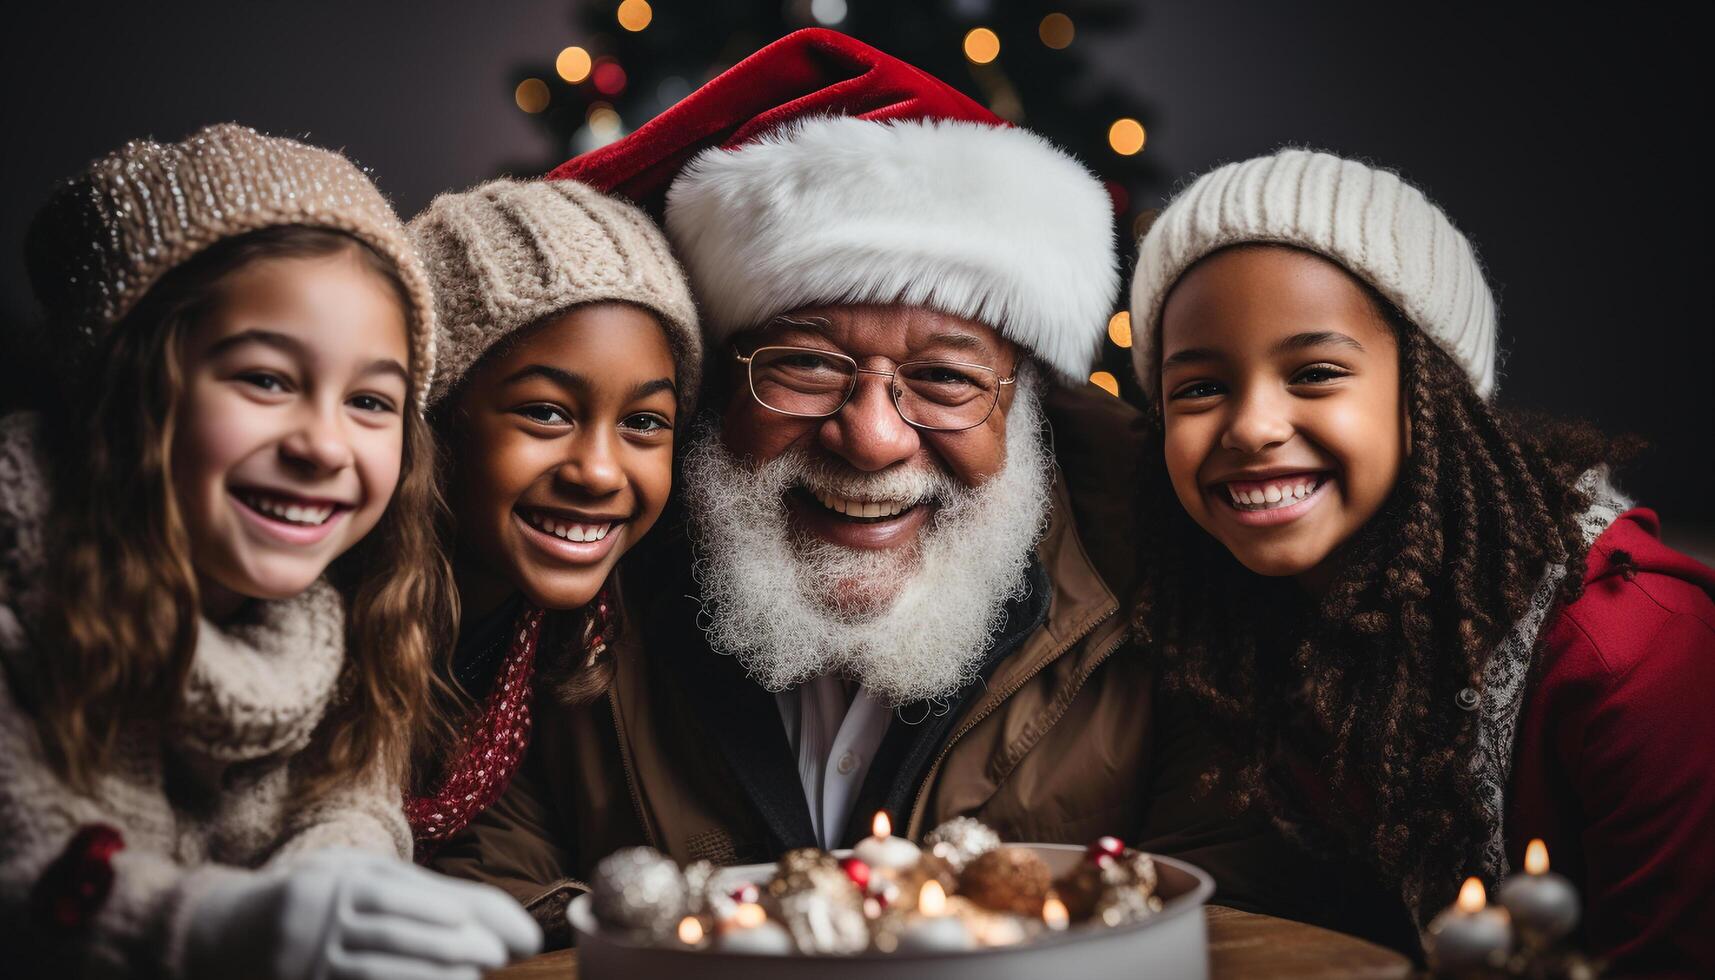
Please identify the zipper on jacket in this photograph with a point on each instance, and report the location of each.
(1101, 656)
(625, 763)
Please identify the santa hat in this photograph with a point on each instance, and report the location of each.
(821, 171)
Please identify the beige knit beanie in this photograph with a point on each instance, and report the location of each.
(508, 253)
(1380, 228)
(112, 232)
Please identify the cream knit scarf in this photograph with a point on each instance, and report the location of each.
(257, 687)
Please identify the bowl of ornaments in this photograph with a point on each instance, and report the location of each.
(965, 904)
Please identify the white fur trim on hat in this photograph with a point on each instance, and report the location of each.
(1380, 228)
(979, 221)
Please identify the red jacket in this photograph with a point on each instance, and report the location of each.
(1614, 763)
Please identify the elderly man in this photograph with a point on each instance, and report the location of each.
(906, 518)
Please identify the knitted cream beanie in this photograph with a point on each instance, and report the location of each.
(112, 232)
(508, 253)
(1377, 226)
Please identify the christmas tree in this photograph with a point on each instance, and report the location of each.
(624, 62)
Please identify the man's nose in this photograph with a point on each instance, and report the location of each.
(1259, 420)
(868, 432)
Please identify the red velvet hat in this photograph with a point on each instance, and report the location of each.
(820, 170)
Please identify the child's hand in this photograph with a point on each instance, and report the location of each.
(349, 914)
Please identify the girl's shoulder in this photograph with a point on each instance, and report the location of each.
(1646, 607)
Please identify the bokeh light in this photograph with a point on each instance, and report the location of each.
(573, 64)
(635, 15)
(828, 12)
(608, 77)
(604, 122)
(531, 95)
(1107, 382)
(1127, 137)
(1119, 329)
(982, 45)
(1056, 31)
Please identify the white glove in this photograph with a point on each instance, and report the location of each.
(340, 914)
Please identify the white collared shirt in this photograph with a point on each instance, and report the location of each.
(835, 738)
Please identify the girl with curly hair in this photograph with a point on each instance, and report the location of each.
(1406, 631)
(218, 577)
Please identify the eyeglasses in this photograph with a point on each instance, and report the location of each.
(807, 383)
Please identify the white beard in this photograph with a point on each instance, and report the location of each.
(909, 623)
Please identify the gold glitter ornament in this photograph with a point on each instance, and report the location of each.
(639, 892)
(960, 841)
(1008, 879)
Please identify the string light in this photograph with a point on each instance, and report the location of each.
(531, 95)
(635, 15)
(828, 12)
(1056, 31)
(608, 77)
(1119, 329)
(573, 64)
(604, 122)
(1107, 382)
(981, 46)
(1127, 137)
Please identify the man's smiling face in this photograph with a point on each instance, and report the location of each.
(874, 477)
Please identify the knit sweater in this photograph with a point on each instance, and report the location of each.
(212, 793)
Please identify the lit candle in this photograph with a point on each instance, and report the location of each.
(1470, 935)
(1542, 903)
(883, 851)
(1054, 914)
(933, 930)
(691, 931)
(750, 931)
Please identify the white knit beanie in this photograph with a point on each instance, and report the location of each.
(1378, 227)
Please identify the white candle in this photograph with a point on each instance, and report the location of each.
(885, 852)
(750, 931)
(1543, 904)
(933, 930)
(1470, 936)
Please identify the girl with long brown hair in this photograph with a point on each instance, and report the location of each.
(1415, 631)
(218, 580)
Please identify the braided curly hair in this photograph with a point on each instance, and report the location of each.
(1360, 686)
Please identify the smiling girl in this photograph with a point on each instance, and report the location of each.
(213, 567)
(1420, 630)
(570, 349)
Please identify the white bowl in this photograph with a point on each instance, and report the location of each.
(1173, 943)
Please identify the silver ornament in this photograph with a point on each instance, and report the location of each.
(960, 841)
(640, 892)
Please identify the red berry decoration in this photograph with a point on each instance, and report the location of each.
(857, 871)
(1105, 849)
(746, 894)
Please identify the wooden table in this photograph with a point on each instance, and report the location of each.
(1241, 944)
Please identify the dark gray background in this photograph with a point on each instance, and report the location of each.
(1563, 145)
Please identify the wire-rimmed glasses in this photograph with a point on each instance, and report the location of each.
(810, 383)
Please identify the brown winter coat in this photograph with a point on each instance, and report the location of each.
(1055, 748)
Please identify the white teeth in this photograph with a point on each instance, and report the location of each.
(279, 509)
(1273, 495)
(860, 508)
(567, 530)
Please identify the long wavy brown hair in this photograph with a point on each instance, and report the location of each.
(1358, 690)
(124, 603)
